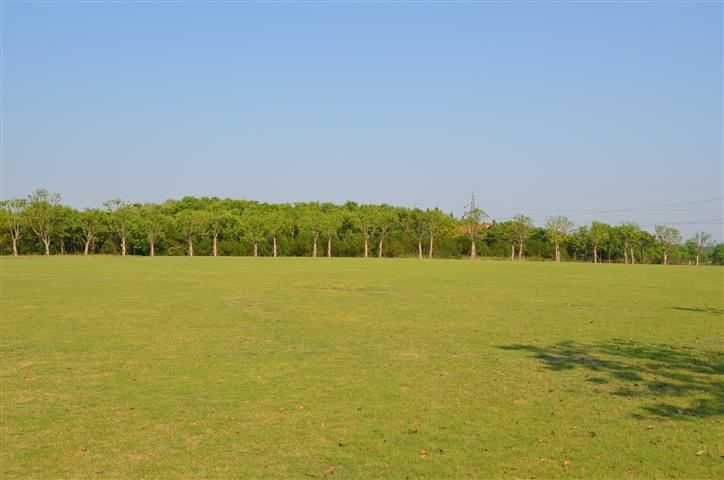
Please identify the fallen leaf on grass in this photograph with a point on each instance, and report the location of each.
(650, 427)
(701, 452)
(567, 462)
(330, 470)
(424, 453)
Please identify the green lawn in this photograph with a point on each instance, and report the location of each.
(282, 368)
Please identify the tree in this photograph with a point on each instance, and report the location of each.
(193, 224)
(219, 220)
(599, 234)
(312, 222)
(699, 241)
(120, 213)
(629, 233)
(473, 226)
(521, 228)
(66, 225)
(717, 254)
(666, 236)
(277, 221)
(253, 224)
(437, 224)
(384, 220)
(154, 223)
(13, 215)
(414, 223)
(90, 222)
(364, 220)
(41, 215)
(579, 240)
(557, 230)
(332, 220)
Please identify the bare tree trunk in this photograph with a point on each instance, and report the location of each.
(697, 259)
(419, 249)
(512, 252)
(216, 245)
(520, 251)
(191, 247)
(15, 246)
(62, 247)
(666, 258)
(625, 255)
(595, 254)
(429, 251)
(275, 246)
(633, 260)
(379, 251)
(367, 246)
(87, 246)
(46, 241)
(256, 249)
(558, 253)
(153, 249)
(123, 246)
(473, 251)
(329, 246)
(314, 248)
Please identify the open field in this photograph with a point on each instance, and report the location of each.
(242, 367)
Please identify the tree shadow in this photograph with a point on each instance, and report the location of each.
(671, 381)
(712, 310)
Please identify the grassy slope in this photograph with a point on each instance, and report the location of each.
(284, 367)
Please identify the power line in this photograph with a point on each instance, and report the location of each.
(614, 210)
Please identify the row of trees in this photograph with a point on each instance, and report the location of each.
(40, 223)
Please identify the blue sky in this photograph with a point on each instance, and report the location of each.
(606, 111)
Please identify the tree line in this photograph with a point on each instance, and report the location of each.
(41, 224)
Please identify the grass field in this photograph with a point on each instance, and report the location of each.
(282, 368)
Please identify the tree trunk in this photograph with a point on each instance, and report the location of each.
(429, 251)
(625, 255)
(512, 252)
(595, 254)
(633, 260)
(329, 246)
(62, 247)
(379, 251)
(367, 246)
(419, 249)
(216, 245)
(87, 246)
(558, 253)
(15, 246)
(256, 249)
(191, 247)
(275, 246)
(314, 248)
(153, 249)
(666, 258)
(46, 241)
(697, 259)
(473, 251)
(520, 251)
(123, 246)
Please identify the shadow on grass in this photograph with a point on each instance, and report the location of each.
(713, 310)
(673, 382)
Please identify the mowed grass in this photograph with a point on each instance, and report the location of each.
(282, 368)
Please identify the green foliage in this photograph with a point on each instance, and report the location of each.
(241, 227)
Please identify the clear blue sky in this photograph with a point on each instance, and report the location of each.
(537, 108)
